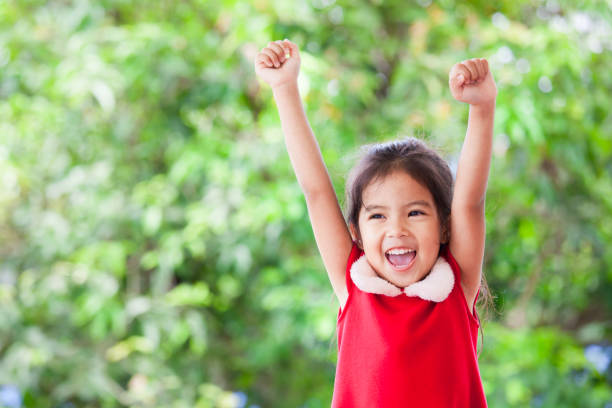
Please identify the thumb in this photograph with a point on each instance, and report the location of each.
(456, 86)
(289, 48)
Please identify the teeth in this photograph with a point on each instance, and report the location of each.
(399, 251)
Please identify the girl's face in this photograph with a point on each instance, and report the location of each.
(400, 228)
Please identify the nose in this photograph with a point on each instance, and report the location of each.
(397, 228)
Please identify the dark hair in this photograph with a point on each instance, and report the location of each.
(411, 156)
(424, 165)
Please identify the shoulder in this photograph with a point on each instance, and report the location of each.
(353, 257)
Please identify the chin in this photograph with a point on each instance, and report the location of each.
(403, 279)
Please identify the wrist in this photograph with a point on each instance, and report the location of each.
(287, 86)
(484, 108)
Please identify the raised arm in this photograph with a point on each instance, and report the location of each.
(472, 82)
(330, 230)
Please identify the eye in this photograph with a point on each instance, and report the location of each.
(376, 216)
(415, 212)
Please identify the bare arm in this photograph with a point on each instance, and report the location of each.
(475, 159)
(330, 230)
(467, 240)
(301, 143)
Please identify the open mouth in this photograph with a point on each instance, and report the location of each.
(400, 258)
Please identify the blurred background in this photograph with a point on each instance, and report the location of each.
(155, 249)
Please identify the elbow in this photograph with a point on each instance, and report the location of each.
(312, 194)
(469, 207)
(313, 191)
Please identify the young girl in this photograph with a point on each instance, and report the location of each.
(407, 328)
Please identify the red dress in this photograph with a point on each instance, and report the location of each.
(404, 351)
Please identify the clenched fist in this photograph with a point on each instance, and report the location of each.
(278, 63)
(471, 81)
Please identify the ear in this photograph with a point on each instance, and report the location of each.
(355, 235)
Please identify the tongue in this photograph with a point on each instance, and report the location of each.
(401, 260)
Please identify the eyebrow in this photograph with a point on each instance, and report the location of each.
(383, 207)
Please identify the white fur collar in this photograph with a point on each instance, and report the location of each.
(436, 286)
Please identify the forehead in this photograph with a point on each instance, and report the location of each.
(396, 186)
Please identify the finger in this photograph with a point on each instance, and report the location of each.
(288, 47)
(482, 68)
(285, 49)
(485, 66)
(456, 80)
(479, 69)
(265, 60)
(278, 47)
(470, 66)
(272, 54)
(456, 84)
(280, 53)
(461, 70)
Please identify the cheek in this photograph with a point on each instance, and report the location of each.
(359, 232)
(364, 226)
(367, 234)
(440, 234)
(432, 232)
(364, 234)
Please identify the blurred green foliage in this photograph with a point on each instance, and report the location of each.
(155, 248)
